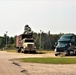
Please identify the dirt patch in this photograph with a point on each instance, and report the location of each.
(20, 68)
(47, 69)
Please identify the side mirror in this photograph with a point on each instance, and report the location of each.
(55, 44)
(70, 44)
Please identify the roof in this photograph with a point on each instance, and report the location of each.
(66, 37)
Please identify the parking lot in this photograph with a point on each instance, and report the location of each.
(9, 66)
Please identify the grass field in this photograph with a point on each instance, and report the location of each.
(10, 50)
(50, 60)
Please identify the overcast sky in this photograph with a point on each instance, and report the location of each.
(56, 16)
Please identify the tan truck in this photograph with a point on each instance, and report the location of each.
(25, 42)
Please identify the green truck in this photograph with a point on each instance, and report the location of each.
(66, 45)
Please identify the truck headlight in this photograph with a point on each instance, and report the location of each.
(55, 50)
(34, 46)
(24, 46)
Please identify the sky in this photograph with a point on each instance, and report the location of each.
(56, 16)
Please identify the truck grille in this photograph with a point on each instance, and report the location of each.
(30, 46)
(60, 49)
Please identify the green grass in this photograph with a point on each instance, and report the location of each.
(10, 50)
(50, 60)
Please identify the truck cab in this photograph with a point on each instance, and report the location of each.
(65, 45)
(28, 44)
(25, 42)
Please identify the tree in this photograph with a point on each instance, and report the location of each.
(27, 30)
(11, 40)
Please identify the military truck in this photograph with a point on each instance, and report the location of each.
(25, 42)
(66, 45)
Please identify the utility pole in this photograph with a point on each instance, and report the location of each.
(6, 39)
(40, 38)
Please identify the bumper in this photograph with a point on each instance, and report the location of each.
(29, 49)
(58, 52)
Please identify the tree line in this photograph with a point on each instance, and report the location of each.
(44, 41)
(7, 42)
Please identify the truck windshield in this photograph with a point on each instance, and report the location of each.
(29, 40)
(62, 43)
(66, 37)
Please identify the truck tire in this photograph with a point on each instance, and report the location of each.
(25, 51)
(75, 53)
(34, 52)
(71, 52)
(56, 54)
(22, 50)
(18, 50)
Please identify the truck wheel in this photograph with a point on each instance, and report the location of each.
(18, 50)
(25, 51)
(34, 52)
(22, 50)
(71, 52)
(56, 54)
(75, 53)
